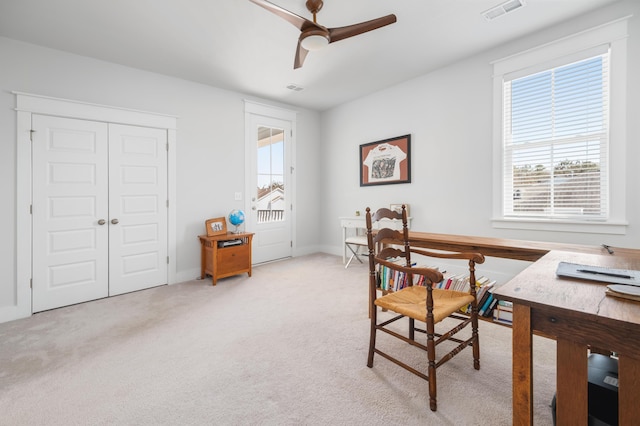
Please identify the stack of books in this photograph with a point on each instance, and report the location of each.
(503, 312)
(392, 280)
(486, 301)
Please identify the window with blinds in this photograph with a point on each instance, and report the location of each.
(555, 135)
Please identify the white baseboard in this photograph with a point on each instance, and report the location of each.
(11, 313)
(188, 275)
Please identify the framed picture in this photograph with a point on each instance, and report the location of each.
(386, 162)
(398, 208)
(216, 226)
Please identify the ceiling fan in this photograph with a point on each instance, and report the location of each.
(314, 36)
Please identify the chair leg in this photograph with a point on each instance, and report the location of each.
(373, 310)
(476, 341)
(412, 329)
(431, 354)
(349, 261)
(354, 254)
(433, 405)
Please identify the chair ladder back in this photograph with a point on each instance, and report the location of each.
(378, 241)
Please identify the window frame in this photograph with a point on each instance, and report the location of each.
(610, 36)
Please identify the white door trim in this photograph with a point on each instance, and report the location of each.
(256, 108)
(28, 104)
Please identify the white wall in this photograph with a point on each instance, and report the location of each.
(448, 112)
(210, 144)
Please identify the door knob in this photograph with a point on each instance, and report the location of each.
(102, 222)
(253, 208)
(114, 221)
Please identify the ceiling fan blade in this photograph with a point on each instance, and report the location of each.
(340, 33)
(298, 21)
(301, 54)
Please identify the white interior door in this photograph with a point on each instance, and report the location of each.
(70, 190)
(270, 181)
(137, 208)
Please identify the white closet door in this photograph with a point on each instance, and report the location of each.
(137, 208)
(70, 190)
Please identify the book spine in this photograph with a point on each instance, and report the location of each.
(490, 308)
(486, 305)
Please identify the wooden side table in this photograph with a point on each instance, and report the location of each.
(225, 255)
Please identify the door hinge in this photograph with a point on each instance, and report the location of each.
(30, 208)
(30, 282)
(167, 146)
(167, 203)
(291, 244)
(167, 260)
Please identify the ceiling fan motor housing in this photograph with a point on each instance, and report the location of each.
(314, 6)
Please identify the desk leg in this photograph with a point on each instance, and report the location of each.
(522, 366)
(572, 403)
(629, 377)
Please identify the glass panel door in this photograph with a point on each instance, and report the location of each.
(269, 187)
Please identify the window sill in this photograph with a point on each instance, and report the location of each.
(614, 228)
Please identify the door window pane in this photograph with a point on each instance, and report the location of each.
(270, 190)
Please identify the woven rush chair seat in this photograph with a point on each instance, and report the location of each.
(412, 302)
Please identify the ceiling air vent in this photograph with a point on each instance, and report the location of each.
(294, 87)
(501, 9)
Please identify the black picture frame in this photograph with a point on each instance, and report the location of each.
(386, 162)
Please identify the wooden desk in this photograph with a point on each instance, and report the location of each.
(578, 314)
(220, 261)
(501, 247)
(574, 312)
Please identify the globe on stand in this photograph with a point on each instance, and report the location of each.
(236, 218)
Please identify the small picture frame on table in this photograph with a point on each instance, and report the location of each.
(216, 226)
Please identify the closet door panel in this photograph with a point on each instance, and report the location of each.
(137, 208)
(70, 189)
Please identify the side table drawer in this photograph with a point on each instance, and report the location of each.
(232, 259)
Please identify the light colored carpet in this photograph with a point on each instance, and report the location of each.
(287, 346)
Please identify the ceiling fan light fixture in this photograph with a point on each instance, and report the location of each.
(314, 41)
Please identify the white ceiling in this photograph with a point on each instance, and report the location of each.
(237, 45)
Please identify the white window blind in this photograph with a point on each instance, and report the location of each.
(556, 141)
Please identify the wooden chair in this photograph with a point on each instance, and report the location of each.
(418, 302)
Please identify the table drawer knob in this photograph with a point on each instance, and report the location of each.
(553, 320)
